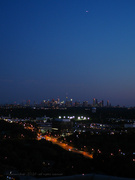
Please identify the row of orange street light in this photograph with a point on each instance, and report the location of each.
(65, 146)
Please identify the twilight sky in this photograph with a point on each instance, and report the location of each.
(82, 48)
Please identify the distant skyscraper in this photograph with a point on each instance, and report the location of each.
(94, 101)
(107, 103)
(28, 103)
(102, 103)
(58, 100)
(85, 103)
(71, 101)
(77, 104)
(66, 98)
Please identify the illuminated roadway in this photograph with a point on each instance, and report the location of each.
(65, 146)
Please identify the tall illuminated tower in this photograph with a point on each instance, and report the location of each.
(94, 101)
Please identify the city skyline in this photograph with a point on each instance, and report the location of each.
(67, 102)
(77, 47)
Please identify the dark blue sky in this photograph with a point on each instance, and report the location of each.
(52, 47)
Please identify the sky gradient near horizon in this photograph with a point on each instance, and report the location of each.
(80, 48)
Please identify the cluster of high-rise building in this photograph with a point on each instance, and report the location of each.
(57, 103)
(97, 103)
(69, 103)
